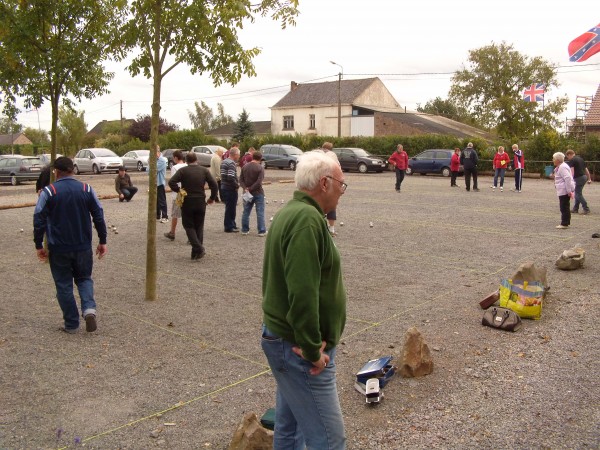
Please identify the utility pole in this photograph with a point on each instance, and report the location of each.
(339, 92)
(121, 103)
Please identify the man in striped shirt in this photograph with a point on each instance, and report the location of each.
(229, 189)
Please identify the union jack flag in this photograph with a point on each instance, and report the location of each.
(586, 45)
(534, 93)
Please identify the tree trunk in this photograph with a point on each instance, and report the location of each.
(151, 267)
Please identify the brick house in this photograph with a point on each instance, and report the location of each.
(14, 139)
(592, 117)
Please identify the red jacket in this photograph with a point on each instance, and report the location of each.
(455, 162)
(399, 160)
(501, 161)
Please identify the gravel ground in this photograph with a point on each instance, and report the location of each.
(182, 371)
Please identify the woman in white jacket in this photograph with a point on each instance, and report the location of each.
(565, 188)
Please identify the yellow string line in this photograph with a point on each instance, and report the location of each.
(172, 408)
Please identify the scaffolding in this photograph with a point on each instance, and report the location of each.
(576, 126)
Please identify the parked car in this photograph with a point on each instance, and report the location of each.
(136, 159)
(358, 159)
(204, 153)
(45, 158)
(18, 168)
(431, 161)
(168, 153)
(96, 160)
(280, 155)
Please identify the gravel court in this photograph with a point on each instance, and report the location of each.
(432, 254)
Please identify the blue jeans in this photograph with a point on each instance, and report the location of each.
(307, 410)
(65, 268)
(499, 173)
(230, 197)
(579, 185)
(258, 200)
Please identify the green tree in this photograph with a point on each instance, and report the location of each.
(221, 118)
(203, 35)
(38, 137)
(53, 50)
(243, 127)
(491, 89)
(9, 126)
(71, 130)
(446, 108)
(202, 118)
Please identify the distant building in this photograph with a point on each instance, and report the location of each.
(367, 109)
(98, 130)
(226, 132)
(14, 139)
(592, 118)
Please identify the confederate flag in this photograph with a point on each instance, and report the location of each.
(586, 45)
(534, 93)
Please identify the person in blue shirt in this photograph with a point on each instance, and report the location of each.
(64, 212)
(161, 181)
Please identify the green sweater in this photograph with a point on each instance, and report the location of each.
(304, 299)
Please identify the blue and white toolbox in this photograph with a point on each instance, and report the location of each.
(380, 369)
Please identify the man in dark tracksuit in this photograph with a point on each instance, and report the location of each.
(192, 179)
(63, 213)
(469, 159)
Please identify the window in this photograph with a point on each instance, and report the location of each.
(288, 122)
(312, 122)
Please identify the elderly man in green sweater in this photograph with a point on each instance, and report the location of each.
(304, 305)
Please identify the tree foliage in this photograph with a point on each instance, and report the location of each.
(37, 137)
(53, 50)
(491, 89)
(9, 126)
(71, 130)
(204, 118)
(203, 35)
(447, 108)
(141, 127)
(243, 128)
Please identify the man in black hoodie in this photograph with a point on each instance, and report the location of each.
(469, 159)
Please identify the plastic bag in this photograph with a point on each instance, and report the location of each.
(524, 299)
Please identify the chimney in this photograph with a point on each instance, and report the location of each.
(293, 86)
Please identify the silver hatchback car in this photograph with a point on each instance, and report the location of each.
(96, 160)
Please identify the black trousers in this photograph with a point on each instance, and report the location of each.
(565, 209)
(399, 178)
(161, 203)
(468, 174)
(453, 176)
(192, 219)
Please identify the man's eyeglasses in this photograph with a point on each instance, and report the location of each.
(344, 185)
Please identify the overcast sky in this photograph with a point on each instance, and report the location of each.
(413, 47)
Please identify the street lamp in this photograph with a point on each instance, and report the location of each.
(339, 97)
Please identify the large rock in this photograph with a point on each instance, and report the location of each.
(251, 435)
(571, 259)
(416, 358)
(530, 272)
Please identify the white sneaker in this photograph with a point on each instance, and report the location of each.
(262, 234)
(562, 227)
(501, 188)
(163, 220)
(245, 233)
(493, 187)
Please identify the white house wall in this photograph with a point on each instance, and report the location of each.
(377, 96)
(362, 126)
(325, 120)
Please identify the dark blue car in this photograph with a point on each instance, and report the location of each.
(431, 161)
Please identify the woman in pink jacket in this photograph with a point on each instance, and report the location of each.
(565, 188)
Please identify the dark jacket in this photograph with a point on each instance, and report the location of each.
(192, 178)
(252, 177)
(44, 178)
(63, 212)
(469, 158)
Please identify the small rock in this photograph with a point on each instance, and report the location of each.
(155, 433)
(371, 224)
(437, 349)
(391, 346)
(161, 442)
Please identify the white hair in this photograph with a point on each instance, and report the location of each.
(234, 151)
(311, 167)
(559, 156)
